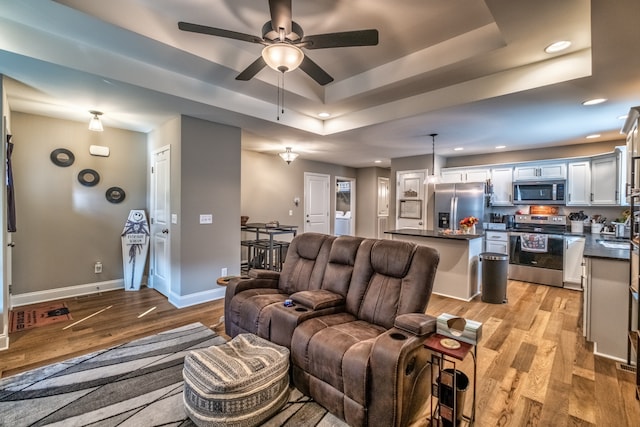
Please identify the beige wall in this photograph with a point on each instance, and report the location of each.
(269, 186)
(63, 227)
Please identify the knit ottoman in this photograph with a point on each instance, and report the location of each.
(240, 383)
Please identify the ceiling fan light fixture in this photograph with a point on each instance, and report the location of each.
(282, 57)
(95, 124)
(288, 156)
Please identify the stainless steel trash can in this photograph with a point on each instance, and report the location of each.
(494, 277)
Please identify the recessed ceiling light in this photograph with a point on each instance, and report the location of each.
(594, 101)
(498, 147)
(595, 135)
(458, 149)
(324, 115)
(557, 46)
(377, 161)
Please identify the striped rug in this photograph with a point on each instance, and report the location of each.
(137, 384)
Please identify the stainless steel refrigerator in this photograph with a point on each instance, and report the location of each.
(456, 201)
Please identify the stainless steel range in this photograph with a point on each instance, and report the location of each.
(536, 249)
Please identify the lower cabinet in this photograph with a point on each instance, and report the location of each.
(605, 306)
(496, 241)
(572, 260)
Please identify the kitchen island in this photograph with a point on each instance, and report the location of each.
(459, 271)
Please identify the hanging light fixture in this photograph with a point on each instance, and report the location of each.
(282, 57)
(288, 156)
(95, 124)
(433, 178)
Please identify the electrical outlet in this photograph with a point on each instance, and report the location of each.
(97, 268)
(223, 272)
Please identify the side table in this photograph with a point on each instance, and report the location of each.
(447, 415)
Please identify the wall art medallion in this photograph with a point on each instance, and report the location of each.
(62, 157)
(115, 195)
(88, 177)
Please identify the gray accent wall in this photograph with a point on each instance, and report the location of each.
(63, 227)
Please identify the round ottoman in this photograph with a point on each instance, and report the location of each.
(240, 383)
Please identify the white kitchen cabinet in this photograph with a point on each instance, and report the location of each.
(455, 175)
(496, 241)
(579, 183)
(605, 180)
(630, 129)
(605, 306)
(540, 171)
(572, 256)
(502, 182)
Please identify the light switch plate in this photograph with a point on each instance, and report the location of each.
(174, 218)
(206, 219)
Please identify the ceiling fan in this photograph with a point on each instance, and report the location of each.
(283, 39)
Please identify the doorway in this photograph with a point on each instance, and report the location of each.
(161, 219)
(316, 203)
(345, 217)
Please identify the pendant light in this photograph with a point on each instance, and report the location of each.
(432, 178)
(288, 156)
(95, 124)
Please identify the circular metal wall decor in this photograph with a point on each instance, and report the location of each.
(62, 157)
(115, 194)
(88, 177)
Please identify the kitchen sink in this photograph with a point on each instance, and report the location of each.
(614, 243)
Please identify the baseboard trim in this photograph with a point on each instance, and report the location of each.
(4, 339)
(66, 292)
(182, 301)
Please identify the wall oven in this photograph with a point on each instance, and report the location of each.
(539, 193)
(536, 249)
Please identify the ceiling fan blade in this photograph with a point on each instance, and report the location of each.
(343, 39)
(252, 70)
(315, 72)
(203, 29)
(280, 15)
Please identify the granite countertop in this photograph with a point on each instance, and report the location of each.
(593, 249)
(433, 233)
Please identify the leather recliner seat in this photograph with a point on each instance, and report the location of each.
(356, 334)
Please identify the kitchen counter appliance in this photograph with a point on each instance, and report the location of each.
(536, 249)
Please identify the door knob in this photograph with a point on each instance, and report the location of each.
(165, 231)
(11, 244)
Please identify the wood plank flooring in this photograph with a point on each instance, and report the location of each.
(534, 366)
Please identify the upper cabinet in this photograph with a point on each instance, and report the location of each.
(502, 184)
(633, 149)
(539, 171)
(597, 181)
(579, 183)
(456, 175)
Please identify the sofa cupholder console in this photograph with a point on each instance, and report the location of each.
(398, 336)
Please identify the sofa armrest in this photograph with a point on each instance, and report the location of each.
(264, 274)
(401, 371)
(416, 323)
(318, 299)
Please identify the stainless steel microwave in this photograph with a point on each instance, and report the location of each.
(539, 193)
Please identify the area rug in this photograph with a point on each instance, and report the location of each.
(137, 384)
(32, 316)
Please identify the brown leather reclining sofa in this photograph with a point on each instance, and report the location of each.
(357, 326)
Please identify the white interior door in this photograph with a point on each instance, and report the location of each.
(411, 206)
(160, 262)
(316, 203)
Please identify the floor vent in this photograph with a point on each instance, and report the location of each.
(626, 368)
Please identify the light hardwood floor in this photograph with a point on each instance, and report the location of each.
(534, 367)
